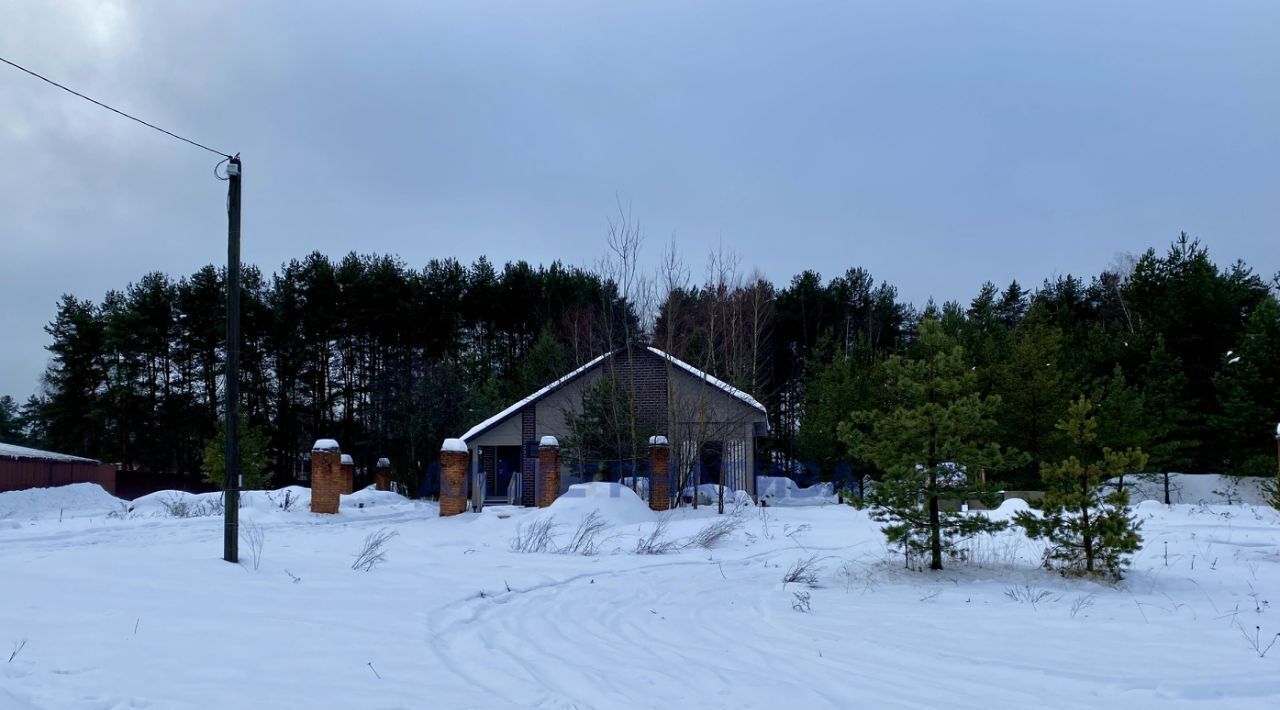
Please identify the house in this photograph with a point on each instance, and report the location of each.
(712, 426)
(22, 468)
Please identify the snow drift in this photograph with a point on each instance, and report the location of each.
(613, 502)
(78, 500)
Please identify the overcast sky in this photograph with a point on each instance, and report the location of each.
(938, 144)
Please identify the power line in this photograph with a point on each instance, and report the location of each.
(115, 110)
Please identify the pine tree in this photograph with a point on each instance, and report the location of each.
(932, 442)
(1030, 386)
(1271, 489)
(253, 458)
(546, 362)
(1167, 409)
(600, 431)
(1090, 528)
(836, 387)
(12, 429)
(71, 412)
(1248, 386)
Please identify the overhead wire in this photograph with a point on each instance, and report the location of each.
(115, 110)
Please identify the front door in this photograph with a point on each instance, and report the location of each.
(508, 465)
(710, 461)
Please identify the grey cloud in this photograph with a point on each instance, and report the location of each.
(937, 144)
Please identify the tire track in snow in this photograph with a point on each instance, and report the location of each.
(546, 621)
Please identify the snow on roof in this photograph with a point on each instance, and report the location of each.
(455, 445)
(746, 398)
(346, 459)
(549, 441)
(325, 445)
(384, 462)
(658, 441)
(13, 451)
(730, 389)
(482, 426)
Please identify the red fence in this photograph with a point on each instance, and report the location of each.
(20, 474)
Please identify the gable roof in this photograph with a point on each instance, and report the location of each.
(493, 421)
(708, 379)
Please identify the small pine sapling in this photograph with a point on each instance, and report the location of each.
(1271, 490)
(1090, 528)
(933, 442)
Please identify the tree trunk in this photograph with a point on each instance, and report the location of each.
(935, 534)
(1084, 520)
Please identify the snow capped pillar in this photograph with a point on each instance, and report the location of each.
(348, 472)
(326, 476)
(454, 458)
(659, 473)
(548, 471)
(382, 475)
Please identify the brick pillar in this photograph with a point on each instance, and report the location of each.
(454, 460)
(659, 473)
(326, 476)
(382, 475)
(528, 463)
(348, 471)
(548, 471)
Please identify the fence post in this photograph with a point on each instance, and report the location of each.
(659, 473)
(454, 460)
(326, 475)
(548, 471)
(382, 475)
(348, 471)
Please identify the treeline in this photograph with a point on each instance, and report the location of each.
(1179, 356)
(389, 359)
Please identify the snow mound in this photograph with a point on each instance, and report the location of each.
(709, 494)
(78, 500)
(639, 483)
(1196, 488)
(614, 502)
(1008, 508)
(325, 445)
(454, 445)
(178, 504)
(297, 499)
(780, 490)
(371, 497)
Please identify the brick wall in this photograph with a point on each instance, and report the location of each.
(326, 480)
(528, 464)
(348, 478)
(659, 477)
(548, 475)
(645, 375)
(453, 482)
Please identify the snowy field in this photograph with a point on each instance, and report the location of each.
(123, 608)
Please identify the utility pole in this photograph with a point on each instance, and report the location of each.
(231, 506)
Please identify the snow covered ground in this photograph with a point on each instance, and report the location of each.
(125, 608)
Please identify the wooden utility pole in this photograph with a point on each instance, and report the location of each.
(231, 500)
